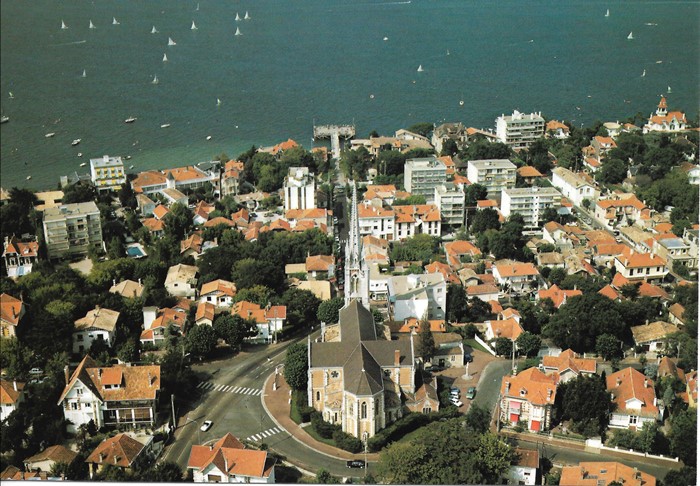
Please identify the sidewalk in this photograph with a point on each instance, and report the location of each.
(276, 404)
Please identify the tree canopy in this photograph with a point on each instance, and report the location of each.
(296, 366)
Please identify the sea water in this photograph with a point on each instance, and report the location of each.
(318, 61)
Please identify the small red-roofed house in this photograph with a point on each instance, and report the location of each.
(635, 399)
(19, 256)
(456, 250)
(154, 226)
(122, 451)
(205, 314)
(529, 174)
(219, 292)
(228, 461)
(568, 365)
(411, 220)
(11, 395)
(602, 145)
(604, 473)
(320, 267)
(524, 469)
(201, 212)
(445, 270)
(556, 129)
(191, 246)
(557, 296)
(160, 211)
(609, 292)
(495, 306)
(517, 276)
(269, 321)
(508, 328)
(219, 220)
(667, 367)
(676, 314)
(11, 312)
(528, 397)
(44, 460)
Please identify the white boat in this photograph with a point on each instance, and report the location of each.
(194, 27)
(448, 52)
(92, 26)
(208, 137)
(644, 73)
(50, 134)
(63, 25)
(165, 58)
(4, 119)
(461, 102)
(420, 68)
(218, 102)
(84, 74)
(131, 166)
(75, 142)
(630, 36)
(669, 89)
(385, 39)
(83, 164)
(155, 79)
(80, 154)
(659, 62)
(131, 119)
(171, 42)
(115, 21)
(154, 30)
(238, 31)
(607, 13)
(197, 9)
(237, 17)
(246, 16)
(29, 177)
(165, 125)
(12, 97)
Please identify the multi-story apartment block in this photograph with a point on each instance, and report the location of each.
(495, 175)
(415, 219)
(676, 250)
(451, 203)
(107, 173)
(417, 296)
(530, 202)
(299, 189)
(421, 176)
(574, 187)
(72, 229)
(376, 221)
(519, 130)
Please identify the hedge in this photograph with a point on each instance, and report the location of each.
(300, 412)
(407, 424)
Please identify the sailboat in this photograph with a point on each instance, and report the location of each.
(246, 16)
(448, 52)
(63, 25)
(165, 58)
(607, 13)
(171, 42)
(237, 17)
(12, 97)
(420, 68)
(630, 36)
(154, 30)
(218, 102)
(238, 31)
(92, 26)
(115, 21)
(669, 89)
(155, 79)
(84, 74)
(194, 27)
(197, 9)
(644, 73)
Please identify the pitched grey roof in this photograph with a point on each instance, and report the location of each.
(356, 323)
(362, 375)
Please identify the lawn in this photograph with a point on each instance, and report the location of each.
(475, 345)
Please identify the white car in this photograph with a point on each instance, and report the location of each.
(456, 402)
(206, 425)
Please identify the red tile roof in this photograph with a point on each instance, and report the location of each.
(557, 295)
(568, 360)
(628, 384)
(230, 456)
(10, 309)
(120, 450)
(8, 394)
(532, 386)
(597, 473)
(516, 270)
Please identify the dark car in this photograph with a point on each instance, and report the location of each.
(471, 393)
(355, 463)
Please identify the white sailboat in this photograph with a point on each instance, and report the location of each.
(115, 21)
(165, 58)
(644, 73)
(12, 97)
(246, 16)
(669, 89)
(155, 79)
(218, 102)
(84, 74)
(197, 9)
(237, 17)
(154, 30)
(448, 52)
(63, 25)
(171, 42)
(194, 27)
(607, 13)
(92, 26)
(238, 31)
(630, 36)
(420, 68)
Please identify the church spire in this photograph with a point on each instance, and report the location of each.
(356, 271)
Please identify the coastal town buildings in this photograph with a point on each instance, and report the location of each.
(451, 203)
(218, 292)
(228, 461)
(299, 189)
(45, 459)
(19, 256)
(97, 325)
(665, 121)
(11, 312)
(575, 187)
(418, 296)
(635, 400)
(568, 366)
(123, 451)
(528, 398)
(495, 175)
(231, 178)
(181, 281)
(456, 132)
(422, 176)
(519, 130)
(530, 202)
(636, 266)
(269, 320)
(107, 173)
(72, 229)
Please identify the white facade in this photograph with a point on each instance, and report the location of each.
(181, 281)
(72, 229)
(495, 175)
(107, 173)
(299, 189)
(418, 296)
(530, 202)
(421, 176)
(451, 204)
(83, 339)
(212, 474)
(573, 187)
(519, 130)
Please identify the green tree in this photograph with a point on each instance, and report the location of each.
(201, 340)
(614, 171)
(683, 436)
(126, 195)
(233, 329)
(257, 294)
(163, 472)
(528, 343)
(77, 193)
(474, 193)
(324, 477)
(504, 346)
(250, 272)
(420, 247)
(478, 419)
(538, 156)
(416, 199)
(421, 128)
(586, 402)
(302, 307)
(449, 147)
(483, 150)
(457, 306)
(686, 475)
(426, 342)
(484, 220)
(608, 346)
(328, 310)
(178, 222)
(296, 366)
(391, 162)
(630, 290)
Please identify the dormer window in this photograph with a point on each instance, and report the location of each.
(523, 392)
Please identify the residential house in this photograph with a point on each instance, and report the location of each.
(174, 196)
(516, 276)
(231, 178)
(693, 172)
(376, 221)
(127, 288)
(422, 176)
(149, 182)
(448, 274)
(599, 473)
(556, 129)
(621, 211)
(19, 256)
(524, 469)
(107, 173)
(528, 397)
(205, 314)
(187, 178)
(12, 473)
(675, 251)
(201, 212)
(299, 189)
(664, 120)
(668, 368)
(575, 187)
(602, 145)
(509, 328)
(45, 460)
(449, 131)
(228, 461)
(557, 295)
(320, 267)
(551, 259)
(529, 174)
(122, 451)
(495, 175)
(72, 229)
(118, 395)
(417, 296)
(269, 320)
(456, 251)
(11, 395)
(181, 281)
(640, 266)
(383, 195)
(11, 312)
(449, 349)
(652, 337)
(414, 219)
(676, 314)
(280, 148)
(568, 365)
(97, 325)
(519, 130)
(486, 292)
(218, 292)
(309, 218)
(530, 202)
(156, 323)
(634, 398)
(155, 226)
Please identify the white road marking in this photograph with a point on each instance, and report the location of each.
(237, 389)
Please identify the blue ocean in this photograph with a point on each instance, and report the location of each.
(317, 61)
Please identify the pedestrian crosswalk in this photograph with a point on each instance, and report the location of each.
(263, 435)
(208, 385)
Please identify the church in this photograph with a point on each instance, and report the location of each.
(356, 379)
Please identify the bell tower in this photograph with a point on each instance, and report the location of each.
(356, 271)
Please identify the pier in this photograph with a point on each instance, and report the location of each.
(334, 132)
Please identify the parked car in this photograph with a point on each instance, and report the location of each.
(456, 402)
(356, 463)
(36, 371)
(206, 425)
(454, 391)
(471, 393)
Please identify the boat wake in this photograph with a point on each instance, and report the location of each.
(69, 43)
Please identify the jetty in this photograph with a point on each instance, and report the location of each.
(334, 132)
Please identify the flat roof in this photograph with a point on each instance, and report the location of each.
(65, 210)
(495, 163)
(106, 161)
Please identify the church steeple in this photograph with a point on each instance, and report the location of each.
(662, 108)
(356, 271)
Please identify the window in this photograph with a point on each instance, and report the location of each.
(350, 407)
(633, 419)
(427, 410)
(318, 396)
(80, 337)
(363, 413)
(334, 374)
(78, 391)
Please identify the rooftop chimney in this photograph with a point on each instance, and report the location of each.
(397, 357)
(619, 381)
(101, 457)
(646, 383)
(507, 387)
(116, 459)
(66, 373)
(14, 384)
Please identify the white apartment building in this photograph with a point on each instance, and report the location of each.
(574, 187)
(417, 296)
(530, 202)
(494, 174)
(375, 220)
(107, 173)
(519, 130)
(451, 204)
(299, 189)
(421, 176)
(72, 229)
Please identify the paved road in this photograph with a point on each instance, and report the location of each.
(490, 383)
